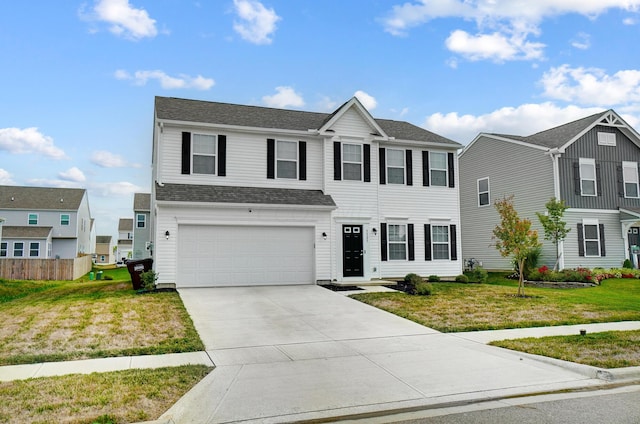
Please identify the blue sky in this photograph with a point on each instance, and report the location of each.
(79, 77)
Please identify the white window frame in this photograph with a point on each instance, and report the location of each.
(591, 223)
(404, 243)
(633, 166)
(591, 163)
(139, 221)
(391, 166)
(279, 159)
(606, 139)
(62, 220)
(439, 242)
(213, 155)
(32, 250)
(346, 162)
(15, 249)
(432, 169)
(480, 193)
(4, 246)
(37, 218)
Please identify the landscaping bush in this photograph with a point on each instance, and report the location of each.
(411, 282)
(462, 278)
(424, 289)
(477, 275)
(530, 264)
(433, 279)
(149, 279)
(627, 264)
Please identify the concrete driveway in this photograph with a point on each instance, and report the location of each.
(293, 353)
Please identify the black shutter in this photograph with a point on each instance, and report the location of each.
(186, 153)
(580, 241)
(598, 179)
(620, 176)
(383, 242)
(367, 162)
(337, 161)
(427, 242)
(412, 250)
(409, 166)
(603, 251)
(302, 160)
(452, 175)
(453, 242)
(222, 155)
(576, 179)
(425, 168)
(271, 158)
(383, 166)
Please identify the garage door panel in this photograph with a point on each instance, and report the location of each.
(231, 255)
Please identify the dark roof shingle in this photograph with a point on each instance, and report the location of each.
(142, 202)
(27, 232)
(40, 198)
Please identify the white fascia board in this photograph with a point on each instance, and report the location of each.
(599, 211)
(398, 142)
(354, 102)
(256, 206)
(506, 139)
(238, 128)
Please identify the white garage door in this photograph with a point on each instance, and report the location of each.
(217, 256)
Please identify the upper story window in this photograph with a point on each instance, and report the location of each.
(630, 175)
(395, 166)
(352, 162)
(483, 191)
(65, 219)
(287, 159)
(397, 240)
(438, 168)
(204, 154)
(3, 249)
(141, 220)
(588, 177)
(33, 219)
(18, 249)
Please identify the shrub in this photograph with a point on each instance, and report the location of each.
(433, 279)
(424, 289)
(627, 264)
(149, 279)
(477, 275)
(531, 263)
(462, 279)
(411, 282)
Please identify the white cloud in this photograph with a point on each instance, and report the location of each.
(167, 82)
(73, 174)
(368, 101)
(5, 177)
(29, 140)
(592, 86)
(506, 23)
(114, 189)
(629, 21)
(326, 104)
(285, 97)
(125, 20)
(257, 23)
(105, 159)
(523, 120)
(582, 41)
(43, 182)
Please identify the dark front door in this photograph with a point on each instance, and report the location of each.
(352, 247)
(634, 240)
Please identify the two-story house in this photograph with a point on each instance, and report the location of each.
(104, 250)
(591, 164)
(45, 222)
(248, 195)
(124, 249)
(142, 245)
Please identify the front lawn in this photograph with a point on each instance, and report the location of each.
(455, 307)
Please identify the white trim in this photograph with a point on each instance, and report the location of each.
(353, 102)
(578, 210)
(488, 192)
(634, 166)
(405, 243)
(262, 206)
(589, 162)
(343, 162)
(238, 128)
(403, 154)
(502, 138)
(445, 169)
(296, 160)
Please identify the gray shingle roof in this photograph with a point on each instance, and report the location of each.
(125, 224)
(40, 198)
(103, 239)
(249, 195)
(27, 232)
(142, 202)
(171, 108)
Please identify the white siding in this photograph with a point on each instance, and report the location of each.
(352, 124)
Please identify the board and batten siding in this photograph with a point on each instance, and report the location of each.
(613, 238)
(608, 160)
(512, 169)
(246, 161)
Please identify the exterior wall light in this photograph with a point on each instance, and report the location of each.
(374, 231)
(166, 234)
(324, 236)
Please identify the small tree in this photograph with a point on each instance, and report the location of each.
(555, 229)
(514, 237)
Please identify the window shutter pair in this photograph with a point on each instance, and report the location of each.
(337, 161)
(271, 159)
(408, 166)
(603, 251)
(576, 179)
(426, 170)
(221, 154)
(384, 246)
(453, 243)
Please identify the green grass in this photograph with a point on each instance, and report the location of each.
(113, 397)
(611, 349)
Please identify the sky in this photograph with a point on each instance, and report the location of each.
(78, 78)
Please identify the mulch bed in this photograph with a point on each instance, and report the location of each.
(337, 288)
(559, 284)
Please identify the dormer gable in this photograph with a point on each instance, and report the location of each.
(352, 119)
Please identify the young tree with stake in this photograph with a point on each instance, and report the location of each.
(555, 229)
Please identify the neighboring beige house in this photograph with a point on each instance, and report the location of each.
(104, 250)
(142, 243)
(125, 239)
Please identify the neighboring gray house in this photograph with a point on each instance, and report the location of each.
(248, 195)
(124, 249)
(142, 245)
(591, 164)
(45, 222)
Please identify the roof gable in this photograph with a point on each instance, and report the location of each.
(41, 198)
(353, 105)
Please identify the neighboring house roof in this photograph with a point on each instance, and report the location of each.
(125, 242)
(125, 224)
(40, 198)
(558, 136)
(249, 195)
(142, 202)
(26, 232)
(171, 108)
(103, 239)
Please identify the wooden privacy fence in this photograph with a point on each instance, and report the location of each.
(44, 269)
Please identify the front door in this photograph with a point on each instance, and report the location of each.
(352, 260)
(634, 241)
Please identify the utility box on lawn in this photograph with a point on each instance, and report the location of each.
(136, 268)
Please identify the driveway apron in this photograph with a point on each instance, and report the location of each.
(293, 353)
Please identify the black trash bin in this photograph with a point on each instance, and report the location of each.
(136, 268)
